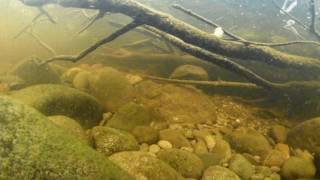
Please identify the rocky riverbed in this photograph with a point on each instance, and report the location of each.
(98, 122)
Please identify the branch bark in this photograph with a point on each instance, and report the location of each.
(190, 34)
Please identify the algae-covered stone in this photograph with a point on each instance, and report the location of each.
(176, 138)
(296, 167)
(32, 147)
(71, 125)
(81, 81)
(129, 116)
(31, 72)
(111, 87)
(278, 133)
(109, 140)
(61, 100)
(250, 141)
(187, 164)
(190, 72)
(146, 134)
(241, 166)
(144, 166)
(306, 135)
(219, 173)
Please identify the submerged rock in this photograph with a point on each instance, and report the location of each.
(241, 166)
(129, 116)
(31, 72)
(176, 138)
(250, 141)
(144, 166)
(306, 135)
(71, 125)
(146, 134)
(109, 140)
(278, 133)
(32, 147)
(61, 100)
(187, 164)
(190, 72)
(111, 87)
(296, 167)
(219, 173)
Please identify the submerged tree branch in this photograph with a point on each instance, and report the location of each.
(90, 49)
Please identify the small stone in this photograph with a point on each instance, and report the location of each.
(257, 177)
(154, 148)
(175, 137)
(189, 149)
(189, 72)
(200, 147)
(210, 141)
(296, 167)
(165, 144)
(144, 147)
(241, 166)
(145, 134)
(275, 169)
(274, 158)
(284, 149)
(219, 173)
(278, 133)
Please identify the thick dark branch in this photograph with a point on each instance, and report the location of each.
(216, 59)
(236, 37)
(103, 41)
(192, 35)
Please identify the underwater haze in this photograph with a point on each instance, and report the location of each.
(160, 89)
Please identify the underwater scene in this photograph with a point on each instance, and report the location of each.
(160, 89)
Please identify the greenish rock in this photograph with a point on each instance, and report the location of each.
(32, 147)
(146, 134)
(12, 82)
(241, 166)
(176, 138)
(264, 171)
(70, 125)
(306, 135)
(274, 158)
(250, 141)
(108, 140)
(52, 100)
(296, 167)
(190, 72)
(187, 164)
(278, 133)
(81, 81)
(219, 173)
(69, 75)
(130, 116)
(221, 149)
(210, 159)
(31, 72)
(111, 87)
(144, 166)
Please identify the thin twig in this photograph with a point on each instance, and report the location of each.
(42, 43)
(236, 37)
(95, 19)
(93, 47)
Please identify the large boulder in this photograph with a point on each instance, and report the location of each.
(109, 140)
(31, 72)
(62, 100)
(144, 166)
(190, 72)
(187, 164)
(129, 116)
(32, 147)
(306, 135)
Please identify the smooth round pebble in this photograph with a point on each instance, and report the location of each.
(154, 148)
(165, 144)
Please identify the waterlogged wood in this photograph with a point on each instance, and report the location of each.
(188, 33)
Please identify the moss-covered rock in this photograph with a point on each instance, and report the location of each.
(187, 164)
(190, 72)
(81, 81)
(250, 141)
(61, 100)
(31, 72)
(296, 167)
(306, 135)
(32, 147)
(146, 134)
(176, 138)
(144, 166)
(109, 140)
(129, 116)
(219, 173)
(71, 125)
(111, 87)
(241, 166)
